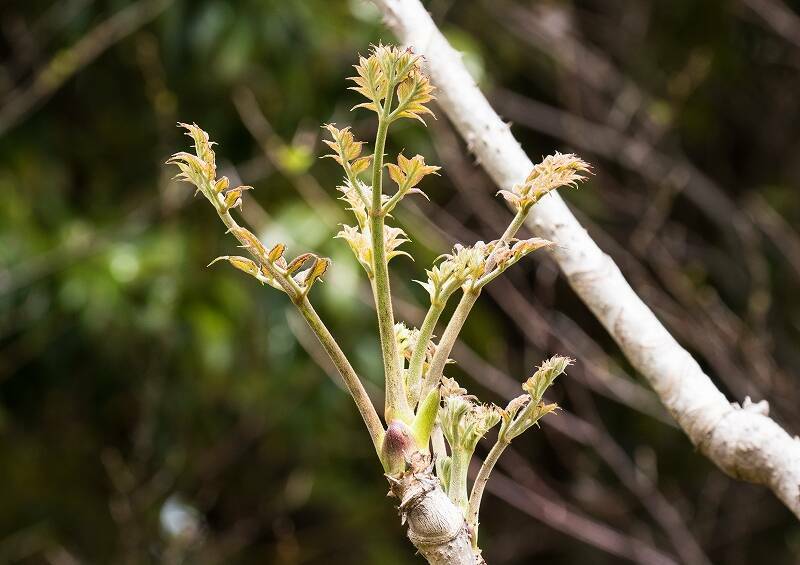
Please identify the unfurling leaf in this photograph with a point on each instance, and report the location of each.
(193, 170)
(359, 244)
(544, 376)
(296, 263)
(361, 164)
(276, 252)
(456, 268)
(345, 148)
(370, 80)
(553, 172)
(388, 68)
(242, 263)
(249, 241)
(318, 269)
(526, 410)
(412, 95)
(251, 268)
(407, 174)
(356, 197)
(221, 184)
(360, 241)
(233, 197)
(202, 144)
(464, 421)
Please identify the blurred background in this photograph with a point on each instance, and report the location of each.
(155, 411)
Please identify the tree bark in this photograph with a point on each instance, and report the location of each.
(741, 440)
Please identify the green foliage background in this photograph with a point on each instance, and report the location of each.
(137, 386)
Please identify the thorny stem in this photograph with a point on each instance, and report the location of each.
(396, 400)
(480, 484)
(337, 356)
(462, 311)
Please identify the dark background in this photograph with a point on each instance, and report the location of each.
(154, 411)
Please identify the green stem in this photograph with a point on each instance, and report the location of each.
(349, 376)
(479, 486)
(351, 178)
(392, 202)
(337, 356)
(415, 366)
(448, 340)
(286, 283)
(396, 400)
(456, 323)
(459, 465)
(515, 224)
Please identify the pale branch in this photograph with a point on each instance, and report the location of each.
(741, 440)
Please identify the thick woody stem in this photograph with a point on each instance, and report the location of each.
(741, 440)
(436, 526)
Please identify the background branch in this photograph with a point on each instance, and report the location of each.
(742, 441)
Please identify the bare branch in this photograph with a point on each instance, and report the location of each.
(741, 440)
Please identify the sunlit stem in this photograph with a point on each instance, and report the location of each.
(480, 484)
(329, 344)
(516, 224)
(396, 400)
(448, 340)
(462, 311)
(349, 376)
(416, 365)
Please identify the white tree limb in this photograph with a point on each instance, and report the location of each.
(741, 440)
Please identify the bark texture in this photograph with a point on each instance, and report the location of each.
(436, 526)
(741, 440)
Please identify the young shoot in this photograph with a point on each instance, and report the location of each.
(422, 405)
